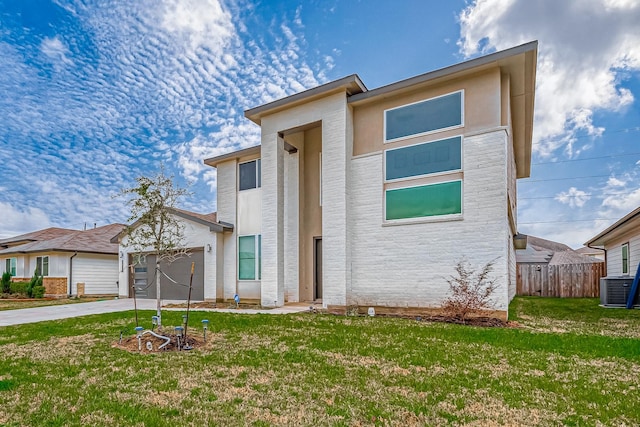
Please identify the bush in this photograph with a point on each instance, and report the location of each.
(471, 292)
(19, 288)
(6, 282)
(38, 291)
(35, 281)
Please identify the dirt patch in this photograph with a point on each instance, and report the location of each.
(149, 343)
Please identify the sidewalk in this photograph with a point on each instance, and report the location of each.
(56, 312)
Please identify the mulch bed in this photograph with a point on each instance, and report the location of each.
(130, 343)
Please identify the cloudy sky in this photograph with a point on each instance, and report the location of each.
(95, 93)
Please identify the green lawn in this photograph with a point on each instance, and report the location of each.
(569, 363)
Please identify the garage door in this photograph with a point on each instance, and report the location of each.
(179, 271)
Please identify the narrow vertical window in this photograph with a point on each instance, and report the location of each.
(10, 266)
(250, 175)
(625, 258)
(247, 257)
(42, 266)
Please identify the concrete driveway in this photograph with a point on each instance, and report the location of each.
(65, 311)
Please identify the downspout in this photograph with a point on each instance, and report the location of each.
(71, 274)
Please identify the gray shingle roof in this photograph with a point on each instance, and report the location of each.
(95, 240)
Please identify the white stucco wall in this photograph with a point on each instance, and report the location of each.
(227, 212)
(337, 142)
(196, 235)
(406, 265)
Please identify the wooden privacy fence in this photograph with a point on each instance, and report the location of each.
(568, 280)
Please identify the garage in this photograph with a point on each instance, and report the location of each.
(143, 277)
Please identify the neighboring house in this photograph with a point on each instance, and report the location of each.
(621, 244)
(548, 268)
(203, 239)
(370, 197)
(65, 258)
(592, 252)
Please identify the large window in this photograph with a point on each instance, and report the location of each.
(249, 257)
(423, 159)
(249, 175)
(10, 266)
(435, 114)
(424, 201)
(625, 258)
(42, 266)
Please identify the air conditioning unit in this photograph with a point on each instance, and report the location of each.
(615, 290)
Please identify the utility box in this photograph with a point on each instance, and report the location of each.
(615, 290)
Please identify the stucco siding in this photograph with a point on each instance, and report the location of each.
(99, 273)
(227, 212)
(407, 265)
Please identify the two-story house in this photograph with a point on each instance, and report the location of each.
(370, 197)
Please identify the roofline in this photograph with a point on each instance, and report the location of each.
(59, 250)
(214, 161)
(217, 227)
(446, 71)
(352, 84)
(628, 217)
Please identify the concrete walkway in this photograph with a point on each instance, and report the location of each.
(65, 311)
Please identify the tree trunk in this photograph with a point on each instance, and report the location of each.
(158, 304)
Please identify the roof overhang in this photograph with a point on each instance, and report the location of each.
(351, 85)
(627, 224)
(216, 227)
(246, 152)
(518, 62)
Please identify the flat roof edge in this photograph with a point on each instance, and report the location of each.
(214, 161)
(451, 69)
(352, 81)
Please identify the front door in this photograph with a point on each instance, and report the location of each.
(317, 268)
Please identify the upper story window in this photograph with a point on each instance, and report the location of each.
(10, 266)
(249, 175)
(431, 115)
(42, 266)
(424, 159)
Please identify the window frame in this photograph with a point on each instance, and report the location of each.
(11, 266)
(625, 261)
(428, 218)
(257, 170)
(415, 135)
(41, 261)
(257, 241)
(433, 174)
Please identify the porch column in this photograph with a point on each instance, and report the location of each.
(272, 284)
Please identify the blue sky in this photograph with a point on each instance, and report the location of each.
(93, 94)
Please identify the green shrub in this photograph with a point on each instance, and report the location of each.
(6, 282)
(38, 291)
(35, 281)
(19, 288)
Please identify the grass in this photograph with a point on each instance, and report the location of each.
(9, 304)
(570, 363)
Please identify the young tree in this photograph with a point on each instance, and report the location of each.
(154, 228)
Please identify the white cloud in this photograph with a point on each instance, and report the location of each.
(56, 50)
(16, 220)
(573, 197)
(615, 182)
(585, 48)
